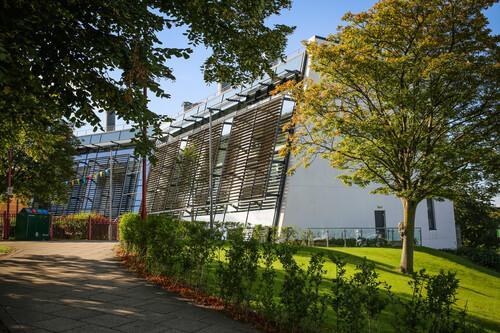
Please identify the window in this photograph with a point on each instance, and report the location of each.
(226, 128)
(430, 214)
(183, 144)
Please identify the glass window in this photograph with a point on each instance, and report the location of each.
(110, 136)
(430, 214)
(183, 144)
(226, 128)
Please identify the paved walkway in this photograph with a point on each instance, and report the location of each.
(81, 287)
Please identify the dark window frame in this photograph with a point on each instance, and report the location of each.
(431, 215)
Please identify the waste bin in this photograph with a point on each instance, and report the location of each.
(33, 224)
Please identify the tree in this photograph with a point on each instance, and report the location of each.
(407, 99)
(42, 162)
(477, 217)
(73, 59)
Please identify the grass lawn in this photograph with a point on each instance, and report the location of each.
(479, 287)
(4, 249)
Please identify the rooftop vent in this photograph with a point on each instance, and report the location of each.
(110, 121)
(222, 87)
(186, 105)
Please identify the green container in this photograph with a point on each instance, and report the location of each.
(33, 224)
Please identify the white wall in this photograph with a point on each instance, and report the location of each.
(316, 199)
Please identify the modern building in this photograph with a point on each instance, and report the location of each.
(221, 155)
(250, 182)
(104, 161)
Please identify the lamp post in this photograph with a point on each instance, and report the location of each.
(210, 171)
(144, 212)
(6, 222)
(110, 192)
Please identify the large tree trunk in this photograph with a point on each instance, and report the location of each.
(407, 231)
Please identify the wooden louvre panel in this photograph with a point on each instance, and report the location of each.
(185, 169)
(188, 183)
(160, 176)
(153, 179)
(199, 189)
(154, 174)
(250, 152)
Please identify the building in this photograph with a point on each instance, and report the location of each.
(104, 160)
(237, 135)
(250, 183)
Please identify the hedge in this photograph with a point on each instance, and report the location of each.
(242, 270)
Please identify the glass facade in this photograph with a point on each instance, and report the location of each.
(108, 177)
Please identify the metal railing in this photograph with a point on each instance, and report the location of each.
(352, 236)
(90, 228)
(12, 224)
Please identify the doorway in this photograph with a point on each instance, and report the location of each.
(380, 223)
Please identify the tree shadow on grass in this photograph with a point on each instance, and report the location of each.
(458, 260)
(349, 258)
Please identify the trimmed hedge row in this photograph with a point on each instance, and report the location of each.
(259, 275)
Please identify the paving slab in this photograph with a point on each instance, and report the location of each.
(80, 286)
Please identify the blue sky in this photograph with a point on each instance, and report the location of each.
(311, 17)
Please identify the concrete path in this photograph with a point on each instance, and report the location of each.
(81, 287)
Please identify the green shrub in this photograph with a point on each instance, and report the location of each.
(288, 235)
(200, 244)
(293, 302)
(430, 307)
(350, 242)
(301, 304)
(316, 305)
(267, 282)
(74, 226)
(133, 233)
(237, 277)
(359, 300)
(164, 245)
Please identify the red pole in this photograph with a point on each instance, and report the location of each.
(144, 213)
(90, 229)
(6, 222)
(51, 230)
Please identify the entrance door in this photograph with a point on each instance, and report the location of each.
(380, 223)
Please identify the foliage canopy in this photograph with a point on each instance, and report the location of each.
(73, 59)
(42, 161)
